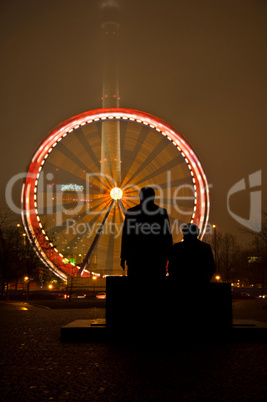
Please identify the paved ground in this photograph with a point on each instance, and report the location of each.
(37, 366)
(253, 309)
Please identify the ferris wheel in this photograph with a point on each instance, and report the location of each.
(89, 170)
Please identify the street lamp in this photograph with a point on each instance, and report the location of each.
(94, 279)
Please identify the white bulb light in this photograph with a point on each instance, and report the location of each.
(116, 193)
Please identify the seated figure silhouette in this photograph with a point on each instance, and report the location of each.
(146, 238)
(191, 261)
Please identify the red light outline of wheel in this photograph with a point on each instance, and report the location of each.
(33, 227)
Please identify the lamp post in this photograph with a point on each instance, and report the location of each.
(94, 279)
(24, 239)
(215, 244)
(18, 253)
(27, 284)
(71, 284)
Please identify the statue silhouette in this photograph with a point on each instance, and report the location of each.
(191, 261)
(146, 238)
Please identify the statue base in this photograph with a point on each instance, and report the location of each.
(160, 312)
(168, 302)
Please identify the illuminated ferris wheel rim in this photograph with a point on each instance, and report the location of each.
(55, 260)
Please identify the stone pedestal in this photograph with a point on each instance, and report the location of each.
(166, 305)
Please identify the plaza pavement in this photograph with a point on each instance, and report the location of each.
(37, 366)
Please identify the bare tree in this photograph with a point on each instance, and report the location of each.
(9, 249)
(227, 254)
(17, 256)
(258, 259)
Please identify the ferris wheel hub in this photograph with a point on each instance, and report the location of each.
(116, 193)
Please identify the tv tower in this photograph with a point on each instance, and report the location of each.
(110, 142)
(108, 260)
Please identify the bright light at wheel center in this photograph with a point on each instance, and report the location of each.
(116, 193)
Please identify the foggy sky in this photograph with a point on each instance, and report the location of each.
(200, 65)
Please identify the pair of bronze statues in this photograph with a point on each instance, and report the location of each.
(147, 247)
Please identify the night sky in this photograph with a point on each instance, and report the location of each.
(200, 65)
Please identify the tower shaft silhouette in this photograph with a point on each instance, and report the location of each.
(110, 141)
(109, 247)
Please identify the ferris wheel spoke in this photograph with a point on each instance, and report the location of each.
(91, 250)
(182, 201)
(108, 259)
(130, 203)
(161, 170)
(140, 135)
(176, 183)
(177, 188)
(122, 208)
(74, 174)
(123, 133)
(72, 222)
(105, 179)
(133, 145)
(88, 149)
(58, 170)
(71, 157)
(77, 150)
(106, 172)
(131, 197)
(151, 156)
(97, 188)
